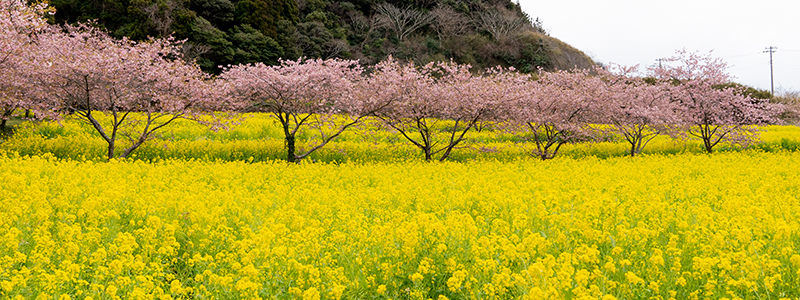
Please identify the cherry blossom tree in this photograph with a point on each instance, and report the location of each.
(436, 105)
(139, 87)
(638, 110)
(19, 24)
(555, 110)
(310, 94)
(712, 113)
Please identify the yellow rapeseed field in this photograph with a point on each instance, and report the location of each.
(687, 226)
(258, 137)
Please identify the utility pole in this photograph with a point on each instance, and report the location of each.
(771, 50)
(659, 62)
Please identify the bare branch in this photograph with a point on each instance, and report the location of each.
(500, 22)
(402, 21)
(448, 23)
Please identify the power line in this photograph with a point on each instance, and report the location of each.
(771, 50)
(742, 55)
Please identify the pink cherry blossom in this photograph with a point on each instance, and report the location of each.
(141, 86)
(306, 94)
(636, 109)
(707, 111)
(434, 106)
(555, 109)
(19, 25)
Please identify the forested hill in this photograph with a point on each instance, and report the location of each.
(483, 33)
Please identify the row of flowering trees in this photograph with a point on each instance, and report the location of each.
(144, 86)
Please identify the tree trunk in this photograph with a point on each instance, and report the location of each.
(4, 131)
(290, 149)
(543, 151)
(707, 134)
(4, 120)
(635, 146)
(707, 144)
(110, 150)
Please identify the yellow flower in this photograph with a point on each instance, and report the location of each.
(633, 279)
(680, 281)
(111, 291)
(608, 297)
(311, 294)
(495, 227)
(7, 286)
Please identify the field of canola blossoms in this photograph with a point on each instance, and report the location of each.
(259, 138)
(659, 226)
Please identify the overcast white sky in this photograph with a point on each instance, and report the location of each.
(630, 32)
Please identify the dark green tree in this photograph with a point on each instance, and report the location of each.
(312, 38)
(218, 12)
(219, 49)
(263, 15)
(251, 46)
(109, 14)
(287, 38)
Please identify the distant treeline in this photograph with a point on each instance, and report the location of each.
(483, 33)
